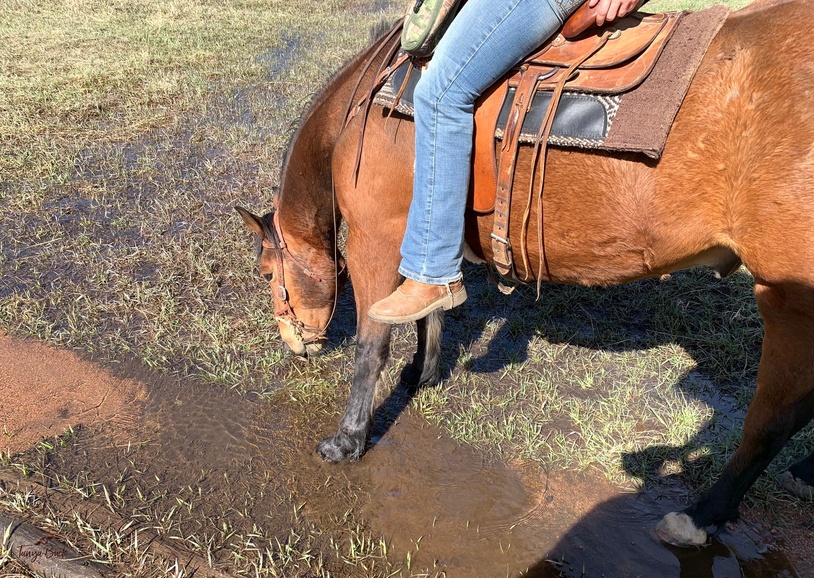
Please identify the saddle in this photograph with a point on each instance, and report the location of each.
(609, 61)
(559, 84)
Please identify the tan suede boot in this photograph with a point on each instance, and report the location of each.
(414, 300)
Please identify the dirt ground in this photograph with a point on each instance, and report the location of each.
(472, 517)
(47, 390)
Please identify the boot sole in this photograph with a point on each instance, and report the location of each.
(446, 303)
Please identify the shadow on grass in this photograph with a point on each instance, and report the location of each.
(616, 539)
(715, 322)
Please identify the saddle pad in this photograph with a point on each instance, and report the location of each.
(603, 121)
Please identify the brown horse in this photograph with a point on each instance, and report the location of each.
(735, 184)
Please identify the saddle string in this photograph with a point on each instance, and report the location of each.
(402, 88)
(540, 153)
(556, 97)
(524, 229)
(349, 108)
(381, 75)
(336, 256)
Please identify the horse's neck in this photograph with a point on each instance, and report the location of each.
(306, 203)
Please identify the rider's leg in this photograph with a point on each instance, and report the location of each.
(484, 41)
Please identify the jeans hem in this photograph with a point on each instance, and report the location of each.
(430, 280)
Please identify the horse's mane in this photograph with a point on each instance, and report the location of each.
(377, 32)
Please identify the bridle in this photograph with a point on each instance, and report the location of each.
(276, 241)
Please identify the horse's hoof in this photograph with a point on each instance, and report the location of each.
(678, 529)
(796, 486)
(338, 448)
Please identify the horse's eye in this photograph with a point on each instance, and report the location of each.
(268, 277)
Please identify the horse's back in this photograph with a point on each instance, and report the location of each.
(743, 142)
(734, 181)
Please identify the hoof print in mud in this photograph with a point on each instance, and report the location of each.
(678, 529)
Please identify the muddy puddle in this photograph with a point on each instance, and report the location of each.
(459, 513)
(251, 462)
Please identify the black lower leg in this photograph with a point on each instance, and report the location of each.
(425, 368)
(804, 470)
(349, 441)
(763, 439)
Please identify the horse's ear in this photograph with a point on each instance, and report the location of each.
(252, 221)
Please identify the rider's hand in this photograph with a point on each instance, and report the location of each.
(608, 10)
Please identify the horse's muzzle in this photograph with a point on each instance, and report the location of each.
(301, 343)
(308, 350)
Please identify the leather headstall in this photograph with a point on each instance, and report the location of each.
(286, 314)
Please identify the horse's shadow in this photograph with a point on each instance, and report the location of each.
(617, 537)
(715, 321)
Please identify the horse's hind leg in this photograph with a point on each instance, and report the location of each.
(424, 370)
(783, 403)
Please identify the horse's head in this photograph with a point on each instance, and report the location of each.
(304, 283)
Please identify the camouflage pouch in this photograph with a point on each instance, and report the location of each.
(424, 23)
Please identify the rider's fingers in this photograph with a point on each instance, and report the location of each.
(602, 11)
(613, 11)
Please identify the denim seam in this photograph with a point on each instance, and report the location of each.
(474, 52)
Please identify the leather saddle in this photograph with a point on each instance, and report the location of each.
(608, 61)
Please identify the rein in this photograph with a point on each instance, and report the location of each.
(276, 239)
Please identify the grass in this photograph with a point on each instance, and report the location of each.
(135, 527)
(128, 130)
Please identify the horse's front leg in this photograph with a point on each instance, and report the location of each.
(370, 283)
(372, 349)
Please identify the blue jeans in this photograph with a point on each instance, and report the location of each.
(484, 41)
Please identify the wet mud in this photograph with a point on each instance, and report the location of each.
(47, 390)
(251, 462)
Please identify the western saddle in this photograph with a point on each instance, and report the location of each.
(580, 59)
